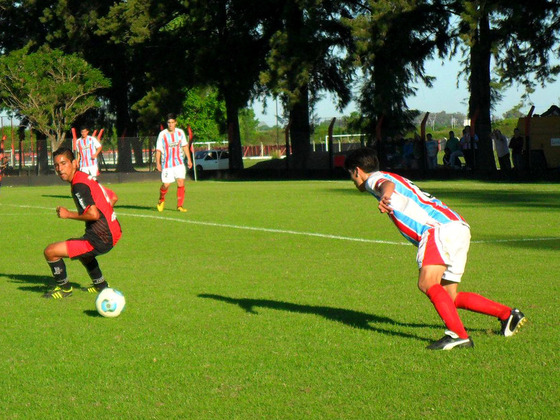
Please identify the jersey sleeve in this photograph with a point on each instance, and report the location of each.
(182, 137)
(82, 197)
(96, 143)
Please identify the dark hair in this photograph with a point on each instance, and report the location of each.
(84, 127)
(171, 116)
(64, 151)
(364, 158)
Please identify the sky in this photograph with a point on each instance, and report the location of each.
(443, 96)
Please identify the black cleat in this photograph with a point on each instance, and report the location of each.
(511, 325)
(58, 293)
(449, 341)
(92, 288)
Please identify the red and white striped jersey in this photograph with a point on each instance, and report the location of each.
(87, 148)
(414, 211)
(171, 144)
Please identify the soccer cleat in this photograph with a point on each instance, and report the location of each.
(92, 288)
(181, 209)
(512, 324)
(449, 341)
(58, 293)
(160, 206)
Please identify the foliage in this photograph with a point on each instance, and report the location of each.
(49, 88)
(394, 40)
(248, 126)
(204, 112)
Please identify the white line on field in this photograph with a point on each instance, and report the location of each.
(290, 232)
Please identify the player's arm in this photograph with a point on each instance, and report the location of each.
(187, 152)
(90, 214)
(386, 189)
(158, 160)
(97, 151)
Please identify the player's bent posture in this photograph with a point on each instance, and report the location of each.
(442, 237)
(95, 208)
(171, 144)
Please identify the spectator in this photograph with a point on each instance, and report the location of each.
(454, 146)
(469, 143)
(502, 150)
(431, 152)
(516, 146)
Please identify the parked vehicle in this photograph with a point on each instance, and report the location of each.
(211, 160)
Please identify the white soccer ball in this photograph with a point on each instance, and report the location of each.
(110, 302)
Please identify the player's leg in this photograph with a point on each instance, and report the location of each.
(92, 267)
(433, 265)
(511, 319)
(162, 192)
(429, 282)
(180, 174)
(54, 254)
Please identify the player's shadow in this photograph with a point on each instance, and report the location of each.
(41, 283)
(348, 317)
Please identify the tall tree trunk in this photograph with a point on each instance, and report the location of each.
(300, 131)
(42, 154)
(479, 101)
(120, 100)
(234, 136)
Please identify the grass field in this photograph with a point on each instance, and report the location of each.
(277, 300)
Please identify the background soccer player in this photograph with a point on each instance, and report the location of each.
(94, 204)
(171, 146)
(442, 237)
(88, 148)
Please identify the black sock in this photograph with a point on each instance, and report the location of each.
(92, 267)
(58, 269)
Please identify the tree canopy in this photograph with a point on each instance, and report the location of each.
(49, 88)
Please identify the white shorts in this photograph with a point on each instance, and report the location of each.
(90, 170)
(446, 245)
(169, 175)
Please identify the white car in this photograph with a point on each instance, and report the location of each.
(211, 160)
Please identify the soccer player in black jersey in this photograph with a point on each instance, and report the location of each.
(94, 205)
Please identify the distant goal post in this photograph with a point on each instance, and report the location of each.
(350, 138)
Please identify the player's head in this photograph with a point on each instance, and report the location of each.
(171, 121)
(65, 163)
(359, 164)
(364, 158)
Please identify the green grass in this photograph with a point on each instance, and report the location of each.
(224, 322)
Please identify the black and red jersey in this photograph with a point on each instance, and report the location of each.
(86, 192)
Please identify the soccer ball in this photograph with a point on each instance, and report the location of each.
(110, 302)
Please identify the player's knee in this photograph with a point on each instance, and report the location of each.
(50, 253)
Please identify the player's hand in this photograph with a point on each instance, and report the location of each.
(189, 164)
(62, 212)
(158, 167)
(385, 205)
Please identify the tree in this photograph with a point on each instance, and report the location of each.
(394, 41)
(204, 112)
(310, 52)
(49, 88)
(520, 37)
(248, 126)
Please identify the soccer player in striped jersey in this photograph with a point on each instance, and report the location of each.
(88, 148)
(442, 237)
(171, 147)
(95, 207)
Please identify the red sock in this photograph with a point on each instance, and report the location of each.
(482, 305)
(162, 193)
(446, 309)
(180, 196)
